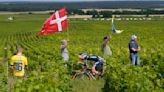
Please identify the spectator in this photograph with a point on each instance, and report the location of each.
(64, 51)
(134, 48)
(19, 64)
(105, 47)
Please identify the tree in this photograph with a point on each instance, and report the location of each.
(106, 14)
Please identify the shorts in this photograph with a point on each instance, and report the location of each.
(99, 66)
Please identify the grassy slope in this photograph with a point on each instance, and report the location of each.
(83, 35)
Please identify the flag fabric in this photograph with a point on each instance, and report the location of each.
(114, 29)
(55, 23)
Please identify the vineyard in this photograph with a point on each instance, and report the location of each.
(46, 72)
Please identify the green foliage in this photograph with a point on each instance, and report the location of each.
(131, 78)
(106, 14)
(46, 72)
(44, 82)
(3, 78)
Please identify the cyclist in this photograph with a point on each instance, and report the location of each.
(19, 64)
(97, 62)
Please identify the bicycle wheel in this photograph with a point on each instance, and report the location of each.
(82, 76)
(98, 76)
(90, 74)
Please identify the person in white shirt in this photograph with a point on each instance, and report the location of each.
(64, 51)
(105, 47)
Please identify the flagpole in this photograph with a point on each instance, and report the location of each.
(68, 30)
(111, 26)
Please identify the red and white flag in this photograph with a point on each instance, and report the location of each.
(55, 23)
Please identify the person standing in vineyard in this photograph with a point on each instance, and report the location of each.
(105, 47)
(19, 64)
(134, 48)
(64, 51)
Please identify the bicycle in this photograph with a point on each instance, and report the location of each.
(86, 73)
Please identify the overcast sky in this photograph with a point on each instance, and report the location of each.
(81, 0)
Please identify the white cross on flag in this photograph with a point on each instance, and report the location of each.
(55, 23)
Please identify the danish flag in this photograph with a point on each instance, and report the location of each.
(55, 23)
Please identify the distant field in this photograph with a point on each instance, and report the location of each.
(46, 72)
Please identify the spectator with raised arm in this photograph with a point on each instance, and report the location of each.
(105, 47)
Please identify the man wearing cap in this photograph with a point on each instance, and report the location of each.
(134, 48)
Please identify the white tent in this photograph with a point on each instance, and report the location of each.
(10, 18)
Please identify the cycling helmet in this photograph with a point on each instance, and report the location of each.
(82, 55)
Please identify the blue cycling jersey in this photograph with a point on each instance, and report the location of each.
(94, 58)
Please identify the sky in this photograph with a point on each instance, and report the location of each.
(80, 0)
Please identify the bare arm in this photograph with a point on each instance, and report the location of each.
(135, 49)
(139, 48)
(26, 66)
(11, 67)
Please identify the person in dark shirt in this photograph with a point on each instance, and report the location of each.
(134, 48)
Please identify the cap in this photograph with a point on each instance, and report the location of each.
(133, 37)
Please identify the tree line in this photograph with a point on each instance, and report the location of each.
(107, 14)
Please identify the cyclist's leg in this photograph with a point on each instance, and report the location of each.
(100, 68)
(94, 71)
